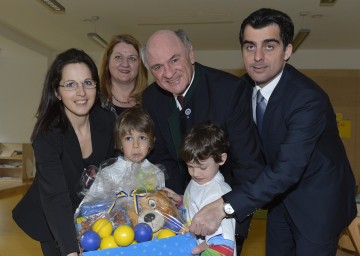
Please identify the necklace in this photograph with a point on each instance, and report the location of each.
(122, 102)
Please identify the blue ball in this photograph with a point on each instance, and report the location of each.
(143, 232)
(90, 241)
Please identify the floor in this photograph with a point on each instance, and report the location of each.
(13, 242)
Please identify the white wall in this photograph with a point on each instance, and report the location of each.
(23, 69)
(22, 72)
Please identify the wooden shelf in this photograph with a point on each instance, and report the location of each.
(16, 162)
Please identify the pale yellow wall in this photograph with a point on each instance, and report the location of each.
(343, 88)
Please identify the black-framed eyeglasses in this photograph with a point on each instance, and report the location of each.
(73, 85)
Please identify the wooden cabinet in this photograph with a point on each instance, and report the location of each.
(16, 161)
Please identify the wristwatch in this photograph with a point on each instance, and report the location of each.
(229, 211)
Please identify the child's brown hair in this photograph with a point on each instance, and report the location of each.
(134, 119)
(202, 142)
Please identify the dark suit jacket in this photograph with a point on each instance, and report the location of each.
(216, 96)
(307, 167)
(46, 211)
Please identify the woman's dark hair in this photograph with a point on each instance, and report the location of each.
(50, 107)
(202, 142)
(266, 16)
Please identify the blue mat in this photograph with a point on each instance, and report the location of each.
(176, 245)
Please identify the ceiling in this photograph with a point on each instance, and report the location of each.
(211, 24)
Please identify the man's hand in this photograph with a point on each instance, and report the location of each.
(208, 219)
(200, 248)
(74, 254)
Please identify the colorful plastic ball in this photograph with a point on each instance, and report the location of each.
(155, 234)
(143, 232)
(124, 235)
(165, 233)
(103, 227)
(108, 242)
(90, 241)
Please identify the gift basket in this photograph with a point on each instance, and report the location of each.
(125, 205)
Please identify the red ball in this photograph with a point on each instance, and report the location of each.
(143, 232)
(90, 240)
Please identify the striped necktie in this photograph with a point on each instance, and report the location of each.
(260, 109)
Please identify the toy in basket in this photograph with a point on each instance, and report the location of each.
(138, 212)
(155, 209)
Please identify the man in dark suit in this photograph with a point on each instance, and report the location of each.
(307, 183)
(209, 94)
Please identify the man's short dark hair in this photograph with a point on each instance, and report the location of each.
(266, 16)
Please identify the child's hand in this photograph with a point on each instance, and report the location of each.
(175, 198)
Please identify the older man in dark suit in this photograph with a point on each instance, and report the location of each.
(307, 183)
(186, 93)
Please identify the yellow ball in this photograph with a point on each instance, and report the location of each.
(165, 233)
(108, 242)
(124, 235)
(155, 234)
(103, 227)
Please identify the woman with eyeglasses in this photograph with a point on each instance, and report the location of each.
(71, 132)
(123, 76)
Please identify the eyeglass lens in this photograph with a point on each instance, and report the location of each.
(72, 85)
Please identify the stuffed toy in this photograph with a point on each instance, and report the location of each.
(155, 209)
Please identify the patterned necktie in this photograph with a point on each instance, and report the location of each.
(180, 99)
(260, 109)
